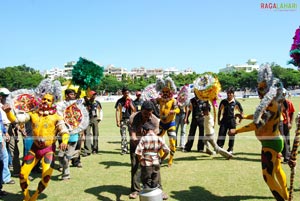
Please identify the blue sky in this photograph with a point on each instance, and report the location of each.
(202, 35)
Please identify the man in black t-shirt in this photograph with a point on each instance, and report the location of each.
(196, 108)
(124, 108)
(227, 109)
(92, 133)
(138, 102)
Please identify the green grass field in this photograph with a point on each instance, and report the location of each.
(193, 176)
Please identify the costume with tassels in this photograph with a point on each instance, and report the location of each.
(168, 110)
(207, 88)
(86, 74)
(295, 50)
(183, 97)
(38, 108)
(265, 123)
(295, 54)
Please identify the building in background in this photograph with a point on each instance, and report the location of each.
(249, 66)
(55, 73)
(118, 72)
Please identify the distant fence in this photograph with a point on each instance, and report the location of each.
(238, 94)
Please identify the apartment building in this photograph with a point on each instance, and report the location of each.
(118, 72)
(249, 66)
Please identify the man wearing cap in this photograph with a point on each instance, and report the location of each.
(10, 143)
(2, 144)
(91, 133)
(287, 120)
(138, 102)
(137, 120)
(124, 108)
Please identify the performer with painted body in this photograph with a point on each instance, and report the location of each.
(167, 112)
(265, 124)
(46, 125)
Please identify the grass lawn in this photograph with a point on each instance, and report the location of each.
(193, 176)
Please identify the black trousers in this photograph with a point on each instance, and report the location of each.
(285, 132)
(150, 176)
(199, 122)
(224, 127)
(135, 184)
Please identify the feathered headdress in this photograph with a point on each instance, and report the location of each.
(150, 93)
(207, 87)
(272, 89)
(86, 74)
(183, 96)
(48, 86)
(165, 83)
(295, 50)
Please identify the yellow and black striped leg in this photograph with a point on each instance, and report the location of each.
(47, 170)
(30, 161)
(273, 173)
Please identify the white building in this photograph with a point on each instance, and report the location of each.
(55, 73)
(68, 69)
(171, 70)
(249, 66)
(118, 72)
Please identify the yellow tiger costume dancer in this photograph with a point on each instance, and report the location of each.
(267, 132)
(46, 124)
(167, 111)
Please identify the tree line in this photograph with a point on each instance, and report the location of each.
(19, 77)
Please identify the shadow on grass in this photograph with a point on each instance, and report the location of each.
(193, 158)
(239, 159)
(237, 156)
(114, 142)
(19, 196)
(116, 190)
(200, 193)
(248, 154)
(108, 164)
(110, 152)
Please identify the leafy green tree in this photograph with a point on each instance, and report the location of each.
(288, 76)
(109, 83)
(19, 77)
(226, 80)
(248, 80)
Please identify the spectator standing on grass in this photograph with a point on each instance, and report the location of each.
(6, 175)
(181, 125)
(124, 108)
(147, 152)
(92, 131)
(13, 132)
(65, 156)
(2, 149)
(137, 120)
(138, 102)
(226, 118)
(288, 116)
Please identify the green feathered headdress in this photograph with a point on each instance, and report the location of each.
(86, 74)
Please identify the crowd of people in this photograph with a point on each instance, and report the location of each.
(272, 129)
(145, 122)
